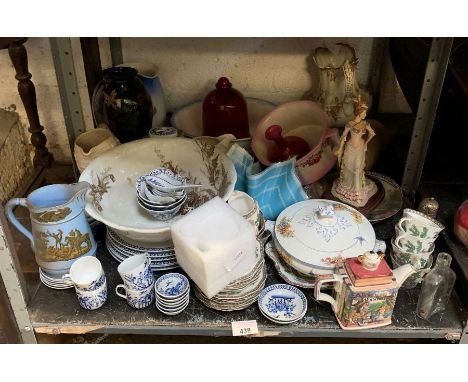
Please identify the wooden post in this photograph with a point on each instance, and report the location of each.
(27, 91)
(92, 63)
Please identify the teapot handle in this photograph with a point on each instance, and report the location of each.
(12, 203)
(319, 296)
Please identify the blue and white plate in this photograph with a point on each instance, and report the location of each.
(163, 247)
(282, 303)
(172, 285)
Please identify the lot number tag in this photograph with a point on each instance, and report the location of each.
(244, 328)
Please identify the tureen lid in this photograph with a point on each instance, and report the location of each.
(318, 232)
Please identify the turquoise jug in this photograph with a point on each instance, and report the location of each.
(60, 231)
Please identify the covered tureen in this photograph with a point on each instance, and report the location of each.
(314, 234)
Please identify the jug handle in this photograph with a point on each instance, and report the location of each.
(12, 203)
(319, 296)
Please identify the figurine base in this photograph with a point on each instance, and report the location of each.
(372, 203)
(354, 198)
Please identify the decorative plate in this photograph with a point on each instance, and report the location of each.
(390, 205)
(289, 274)
(112, 198)
(316, 233)
(282, 303)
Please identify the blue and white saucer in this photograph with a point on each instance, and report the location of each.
(282, 303)
(172, 285)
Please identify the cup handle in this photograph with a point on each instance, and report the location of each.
(319, 296)
(120, 294)
(12, 203)
(397, 240)
(400, 223)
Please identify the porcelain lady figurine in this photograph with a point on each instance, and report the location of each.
(352, 187)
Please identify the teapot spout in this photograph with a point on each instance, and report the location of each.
(402, 273)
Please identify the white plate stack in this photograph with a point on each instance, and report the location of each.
(162, 257)
(240, 293)
(54, 282)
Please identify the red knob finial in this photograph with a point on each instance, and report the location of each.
(273, 132)
(223, 83)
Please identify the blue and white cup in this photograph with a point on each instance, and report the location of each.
(87, 274)
(138, 299)
(136, 272)
(92, 300)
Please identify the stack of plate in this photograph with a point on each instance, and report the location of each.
(240, 293)
(53, 281)
(282, 303)
(162, 257)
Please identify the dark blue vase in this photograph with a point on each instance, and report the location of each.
(123, 104)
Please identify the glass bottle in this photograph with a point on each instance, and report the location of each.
(436, 287)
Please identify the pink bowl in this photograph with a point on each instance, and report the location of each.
(305, 119)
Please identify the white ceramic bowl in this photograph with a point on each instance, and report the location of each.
(112, 198)
(188, 119)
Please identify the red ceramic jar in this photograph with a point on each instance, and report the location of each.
(225, 112)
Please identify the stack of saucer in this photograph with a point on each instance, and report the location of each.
(162, 257)
(240, 293)
(172, 293)
(282, 303)
(55, 282)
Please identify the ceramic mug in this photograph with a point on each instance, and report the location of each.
(246, 206)
(86, 274)
(418, 225)
(92, 300)
(138, 299)
(136, 272)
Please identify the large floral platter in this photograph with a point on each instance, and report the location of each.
(311, 236)
(112, 198)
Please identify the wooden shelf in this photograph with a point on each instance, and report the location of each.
(55, 312)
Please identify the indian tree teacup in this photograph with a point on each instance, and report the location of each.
(406, 257)
(138, 299)
(92, 300)
(136, 272)
(411, 244)
(419, 225)
(246, 206)
(87, 274)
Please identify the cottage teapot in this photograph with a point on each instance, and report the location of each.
(60, 231)
(363, 298)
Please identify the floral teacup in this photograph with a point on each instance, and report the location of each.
(92, 300)
(136, 272)
(138, 299)
(418, 225)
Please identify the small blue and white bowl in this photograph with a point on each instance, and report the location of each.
(159, 203)
(282, 303)
(163, 132)
(172, 286)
